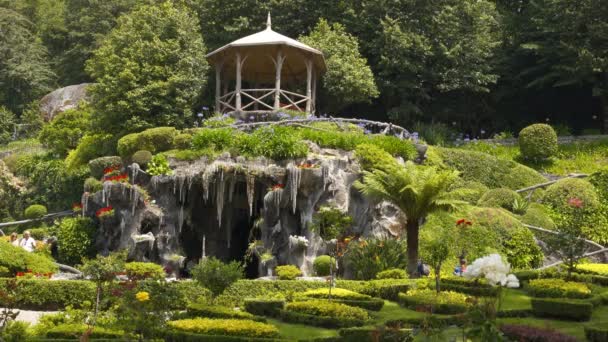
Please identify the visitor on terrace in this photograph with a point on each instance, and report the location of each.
(459, 270)
(14, 239)
(27, 242)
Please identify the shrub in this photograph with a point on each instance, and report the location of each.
(97, 165)
(599, 179)
(288, 272)
(537, 215)
(445, 302)
(323, 293)
(216, 275)
(91, 146)
(7, 121)
(142, 158)
(225, 327)
(368, 257)
(488, 170)
(277, 143)
(44, 294)
(558, 194)
(476, 287)
(596, 332)
(600, 269)
(264, 307)
(474, 191)
(219, 139)
(372, 157)
(324, 313)
(14, 331)
(538, 142)
(144, 270)
(182, 141)
(203, 310)
(525, 333)
(76, 330)
(66, 129)
(75, 239)
(557, 288)
(39, 233)
(34, 211)
(16, 259)
(571, 309)
(393, 273)
(179, 294)
(92, 185)
(501, 197)
(155, 140)
(376, 334)
(158, 166)
(322, 264)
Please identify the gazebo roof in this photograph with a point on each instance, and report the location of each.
(260, 46)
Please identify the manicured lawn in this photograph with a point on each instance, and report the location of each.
(301, 331)
(515, 300)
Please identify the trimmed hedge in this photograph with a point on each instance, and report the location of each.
(558, 194)
(288, 272)
(144, 270)
(446, 302)
(320, 321)
(470, 287)
(525, 333)
(557, 288)
(337, 293)
(16, 259)
(44, 294)
(203, 310)
(373, 304)
(393, 273)
(569, 309)
(142, 158)
(155, 140)
(388, 289)
(182, 336)
(321, 265)
(538, 142)
(596, 332)
(375, 334)
(225, 327)
(97, 165)
(264, 307)
(74, 331)
(599, 269)
(537, 215)
(35, 211)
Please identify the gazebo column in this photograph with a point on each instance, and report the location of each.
(308, 85)
(314, 92)
(237, 89)
(218, 89)
(278, 63)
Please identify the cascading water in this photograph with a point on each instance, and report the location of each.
(250, 179)
(220, 186)
(295, 175)
(106, 191)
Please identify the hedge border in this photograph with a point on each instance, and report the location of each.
(264, 307)
(182, 336)
(567, 309)
(447, 309)
(320, 321)
(595, 333)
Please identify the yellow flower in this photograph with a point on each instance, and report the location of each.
(142, 296)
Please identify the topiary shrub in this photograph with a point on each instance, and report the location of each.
(92, 185)
(596, 332)
(537, 215)
(98, 165)
(474, 190)
(45, 295)
(557, 288)
(445, 302)
(75, 239)
(324, 313)
(142, 158)
(155, 140)
(182, 141)
(216, 275)
(501, 197)
(204, 310)
(77, 330)
(599, 179)
(599, 269)
(225, 327)
(558, 194)
(16, 259)
(538, 142)
(35, 211)
(39, 233)
(264, 307)
(144, 270)
(288, 272)
(338, 293)
(321, 265)
(372, 157)
(393, 273)
(572, 309)
(91, 146)
(527, 333)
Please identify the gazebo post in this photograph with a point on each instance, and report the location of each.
(277, 88)
(308, 85)
(218, 81)
(238, 83)
(314, 92)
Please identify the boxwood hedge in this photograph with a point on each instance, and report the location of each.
(570, 309)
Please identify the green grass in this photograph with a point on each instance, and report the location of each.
(515, 300)
(20, 145)
(301, 331)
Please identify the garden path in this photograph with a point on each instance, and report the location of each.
(32, 317)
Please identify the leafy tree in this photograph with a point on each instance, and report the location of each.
(349, 78)
(215, 275)
(7, 125)
(568, 243)
(65, 131)
(438, 249)
(25, 73)
(148, 70)
(417, 191)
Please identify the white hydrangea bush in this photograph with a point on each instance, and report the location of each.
(494, 269)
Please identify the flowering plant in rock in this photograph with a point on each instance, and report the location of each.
(105, 212)
(120, 178)
(494, 269)
(278, 186)
(307, 166)
(298, 241)
(77, 207)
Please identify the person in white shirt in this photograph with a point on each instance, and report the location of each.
(27, 242)
(14, 239)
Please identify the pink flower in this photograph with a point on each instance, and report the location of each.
(575, 202)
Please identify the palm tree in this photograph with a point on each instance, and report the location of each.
(417, 191)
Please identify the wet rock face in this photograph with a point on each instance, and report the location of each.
(223, 208)
(62, 99)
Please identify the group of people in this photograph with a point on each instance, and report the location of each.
(26, 242)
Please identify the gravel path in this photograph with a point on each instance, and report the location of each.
(32, 316)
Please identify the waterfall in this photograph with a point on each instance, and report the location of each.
(134, 200)
(204, 254)
(219, 197)
(154, 182)
(84, 200)
(207, 177)
(180, 218)
(134, 172)
(250, 191)
(325, 174)
(106, 192)
(295, 174)
(231, 186)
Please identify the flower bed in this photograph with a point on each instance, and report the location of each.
(557, 288)
(225, 327)
(524, 333)
(375, 334)
(570, 309)
(324, 313)
(446, 302)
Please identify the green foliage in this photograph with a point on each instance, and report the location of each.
(600, 269)
(322, 264)
(144, 270)
(44, 294)
(434, 133)
(14, 331)
(596, 332)
(558, 194)
(75, 239)
(367, 258)
(219, 138)
(538, 215)
(35, 211)
(327, 309)
(277, 143)
(568, 309)
(557, 288)
(142, 158)
(538, 142)
(219, 120)
(182, 141)
(372, 333)
(475, 287)
(216, 275)
(330, 222)
(225, 327)
(7, 125)
(392, 273)
(474, 190)
(372, 157)
(91, 146)
(348, 77)
(148, 70)
(103, 269)
(159, 165)
(76, 330)
(204, 310)
(288, 272)
(98, 165)
(521, 249)
(264, 307)
(488, 170)
(92, 185)
(336, 293)
(65, 131)
(501, 197)
(155, 140)
(599, 179)
(445, 302)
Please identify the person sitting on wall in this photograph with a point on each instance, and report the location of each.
(27, 242)
(14, 239)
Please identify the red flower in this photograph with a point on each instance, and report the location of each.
(77, 206)
(575, 202)
(103, 211)
(117, 178)
(459, 222)
(20, 274)
(110, 169)
(278, 186)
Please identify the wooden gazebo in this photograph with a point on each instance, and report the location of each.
(260, 67)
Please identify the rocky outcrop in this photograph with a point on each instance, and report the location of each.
(230, 207)
(62, 99)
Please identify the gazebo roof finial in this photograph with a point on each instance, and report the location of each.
(268, 23)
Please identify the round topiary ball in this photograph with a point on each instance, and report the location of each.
(142, 158)
(182, 141)
(321, 265)
(538, 142)
(559, 193)
(501, 197)
(35, 211)
(537, 215)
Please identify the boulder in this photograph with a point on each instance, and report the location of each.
(62, 99)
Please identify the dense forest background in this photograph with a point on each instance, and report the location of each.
(476, 66)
